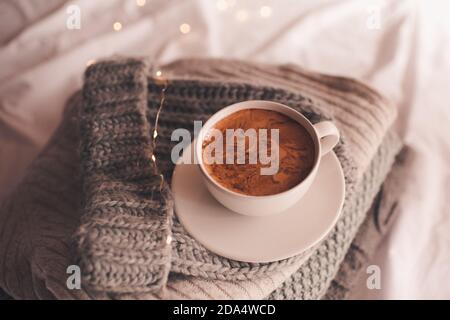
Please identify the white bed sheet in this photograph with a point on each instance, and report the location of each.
(407, 59)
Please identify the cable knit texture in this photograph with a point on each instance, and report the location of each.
(127, 213)
(124, 240)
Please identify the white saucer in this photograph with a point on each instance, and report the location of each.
(258, 239)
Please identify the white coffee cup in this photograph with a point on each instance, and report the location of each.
(324, 134)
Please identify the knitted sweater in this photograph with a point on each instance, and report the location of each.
(128, 240)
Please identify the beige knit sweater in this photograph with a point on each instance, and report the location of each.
(362, 116)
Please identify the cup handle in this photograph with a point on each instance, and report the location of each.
(328, 135)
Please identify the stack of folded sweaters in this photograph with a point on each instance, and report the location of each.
(93, 197)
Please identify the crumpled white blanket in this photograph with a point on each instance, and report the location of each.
(402, 48)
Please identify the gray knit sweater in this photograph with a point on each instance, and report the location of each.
(129, 240)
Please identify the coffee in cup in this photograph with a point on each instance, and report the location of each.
(236, 182)
(294, 153)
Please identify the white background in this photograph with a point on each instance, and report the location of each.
(407, 59)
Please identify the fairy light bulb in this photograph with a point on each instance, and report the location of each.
(265, 11)
(185, 28)
(117, 26)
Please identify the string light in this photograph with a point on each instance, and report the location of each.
(159, 80)
(140, 3)
(265, 11)
(117, 26)
(158, 112)
(161, 185)
(185, 28)
(242, 15)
